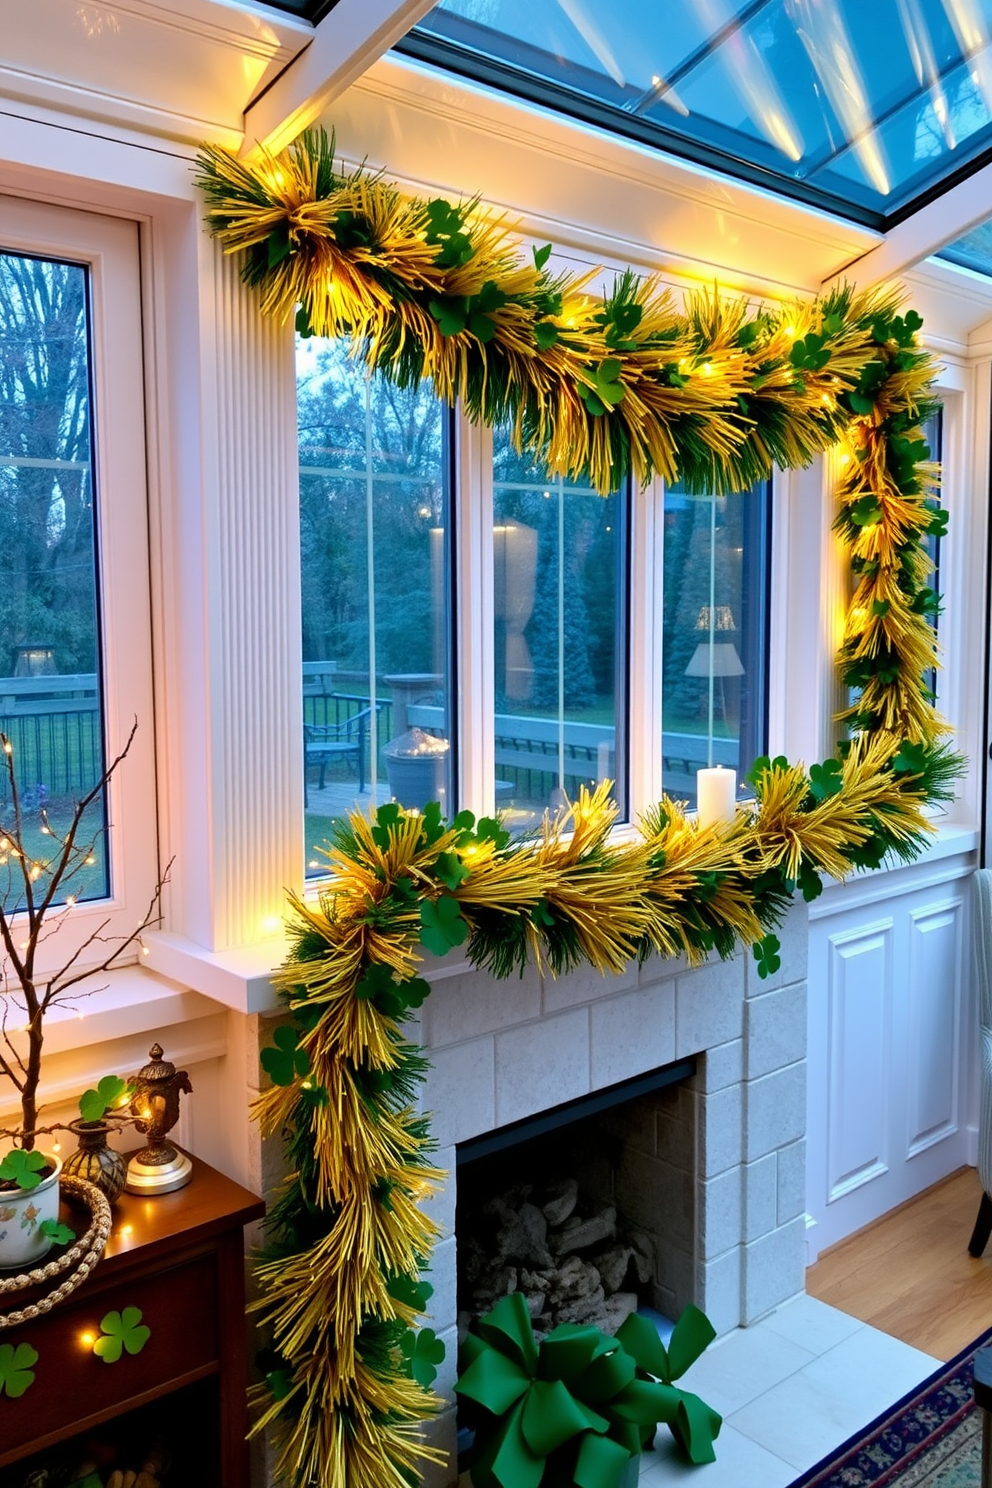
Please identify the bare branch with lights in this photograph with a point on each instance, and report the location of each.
(35, 891)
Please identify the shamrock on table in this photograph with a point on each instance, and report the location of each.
(120, 1331)
(16, 1372)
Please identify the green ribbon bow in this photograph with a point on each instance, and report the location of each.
(576, 1408)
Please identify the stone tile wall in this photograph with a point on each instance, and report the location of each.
(501, 1051)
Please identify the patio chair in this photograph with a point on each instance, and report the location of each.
(323, 742)
(983, 974)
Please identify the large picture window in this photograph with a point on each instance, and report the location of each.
(375, 499)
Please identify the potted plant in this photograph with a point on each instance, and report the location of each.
(580, 1406)
(33, 893)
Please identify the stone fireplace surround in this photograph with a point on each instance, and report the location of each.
(503, 1051)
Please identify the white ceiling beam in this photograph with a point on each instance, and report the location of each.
(938, 223)
(345, 43)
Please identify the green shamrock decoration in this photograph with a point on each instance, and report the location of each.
(59, 1233)
(280, 1382)
(765, 952)
(826, 780)
(450, 869)
(16, 1368)
(23, 1168)
(910, 759)
(392, 999)
(376, 981)
(441, 925)
(607, 390)
(411, 1291)
(284, 1062)
(120, 1331)
(423, 1351)
(94, 1104)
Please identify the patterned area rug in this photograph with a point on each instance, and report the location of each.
(932, 1438)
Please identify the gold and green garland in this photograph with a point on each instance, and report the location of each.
(713, 394)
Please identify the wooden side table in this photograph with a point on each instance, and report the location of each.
(180, 1259)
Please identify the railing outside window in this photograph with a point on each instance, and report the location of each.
(375, 496)
(50, 699)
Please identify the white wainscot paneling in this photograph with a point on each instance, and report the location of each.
(859, 999)
(935, 965)
(890, 1041)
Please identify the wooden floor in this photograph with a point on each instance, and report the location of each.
(910, 1273)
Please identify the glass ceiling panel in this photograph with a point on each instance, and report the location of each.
(860, 106)
(973, 250)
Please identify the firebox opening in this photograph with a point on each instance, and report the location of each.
(588, 1210)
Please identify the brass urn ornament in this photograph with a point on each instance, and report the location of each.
(159, 1167)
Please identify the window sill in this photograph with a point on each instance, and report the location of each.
(242, 978)
(130, 1002)
(936, 864)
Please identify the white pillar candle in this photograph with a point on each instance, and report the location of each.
(716, 796)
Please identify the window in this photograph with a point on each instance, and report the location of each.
(75, 636)
(50, 664)
(559, 629)
(933, 431)
(715, 653)
(375, 499)
(547, 613)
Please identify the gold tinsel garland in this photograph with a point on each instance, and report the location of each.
(714, 394)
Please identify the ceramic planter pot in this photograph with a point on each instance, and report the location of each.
(22, 1213)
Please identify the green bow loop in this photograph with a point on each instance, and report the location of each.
(693, 1423)
(470, 1349)
(632, 1438)
(568, 1351)
(645, 1403)
(493, 1381)
(507, 1461)
(509, 1323)
(552, 1417)
(693, 1334)
(600, 1462)
(640, 1340)
(695, 1427)
(608, 1374)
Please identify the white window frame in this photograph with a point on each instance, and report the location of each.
(108, 248)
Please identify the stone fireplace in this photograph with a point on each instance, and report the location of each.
(567, 1207)
(722, 1152)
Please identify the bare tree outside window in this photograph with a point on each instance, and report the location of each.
(50, 691)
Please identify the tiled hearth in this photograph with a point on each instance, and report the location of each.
(504, 1051)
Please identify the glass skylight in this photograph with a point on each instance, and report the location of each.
(973, 249)
(863, 107)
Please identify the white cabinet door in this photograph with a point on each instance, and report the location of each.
(889, 1040)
